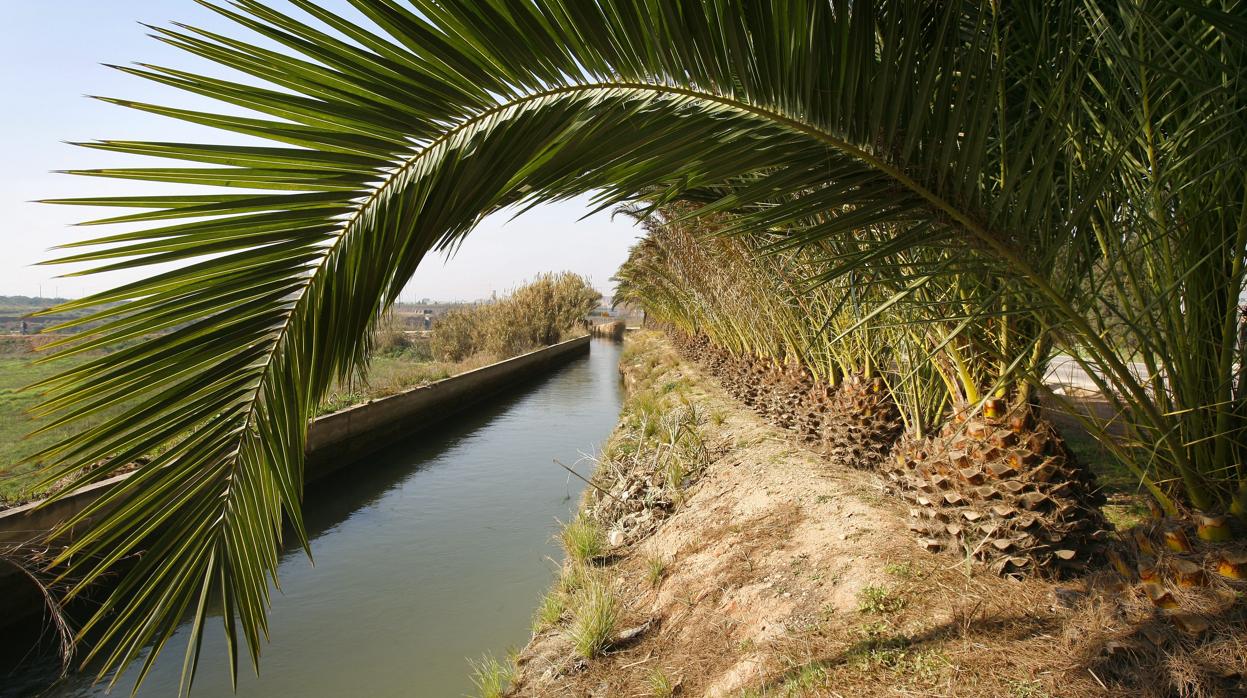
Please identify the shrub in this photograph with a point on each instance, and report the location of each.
(390, 337)
(456, 335)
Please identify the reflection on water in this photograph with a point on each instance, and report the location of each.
(427, 554)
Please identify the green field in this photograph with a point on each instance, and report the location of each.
(387, 374)
(16, 372)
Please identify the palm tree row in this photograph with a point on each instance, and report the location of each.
(987, 476)
(970, 163)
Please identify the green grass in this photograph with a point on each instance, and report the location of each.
(551, 610)
(392, 374)
(18, 370)
(1128, 500)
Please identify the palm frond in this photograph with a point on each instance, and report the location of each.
(808, 121)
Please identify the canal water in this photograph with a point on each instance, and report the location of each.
(434, 554)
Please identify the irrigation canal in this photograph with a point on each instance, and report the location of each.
(438, 556)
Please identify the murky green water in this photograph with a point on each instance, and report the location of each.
(433, 552)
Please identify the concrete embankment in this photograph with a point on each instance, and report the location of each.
(335, 442)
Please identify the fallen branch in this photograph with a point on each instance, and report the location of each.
(582, 478)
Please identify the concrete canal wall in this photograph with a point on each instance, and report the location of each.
(334, 442)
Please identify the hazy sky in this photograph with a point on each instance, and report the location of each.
(50, 57)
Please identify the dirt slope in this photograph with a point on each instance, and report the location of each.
(783, 574)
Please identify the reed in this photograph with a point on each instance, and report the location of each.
(543, 312)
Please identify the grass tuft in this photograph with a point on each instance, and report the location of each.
(595, 615)
(491, 677)
(655, 569)
(550, 612)
(573, 577)
(583, 539)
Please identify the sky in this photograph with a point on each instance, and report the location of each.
(50, 58)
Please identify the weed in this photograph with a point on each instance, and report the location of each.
(924, 665)
(873, 632)
(900, 570)
(595, 615)
(876, 649)
(718, 417)
(878, 600)
(491, 677)
(583, 539)
(660, 685)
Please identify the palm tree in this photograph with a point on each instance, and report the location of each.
(809, 119)
(1172, 231)
(942, 355)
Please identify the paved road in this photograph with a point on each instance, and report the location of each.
(1064, 371)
